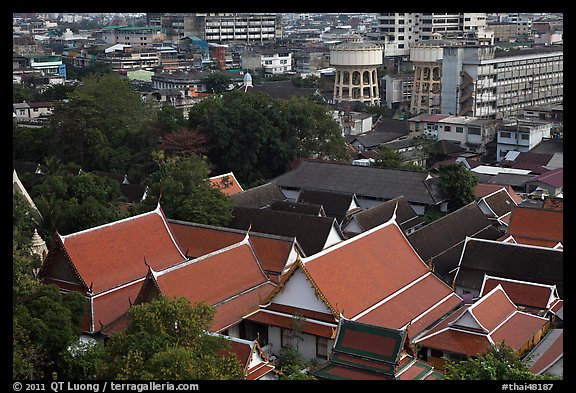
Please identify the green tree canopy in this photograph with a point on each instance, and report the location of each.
(70, 203)
(500, 362)
(217, 82)
(166, 339)
(388, 158)
(458, 184)
(45, 324)
(100, 117)
(257, 137)
(181, 185)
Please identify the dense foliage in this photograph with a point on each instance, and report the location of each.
(166, 339)
(500, 362)
(458, 184)
(258, 137)
(180, 184)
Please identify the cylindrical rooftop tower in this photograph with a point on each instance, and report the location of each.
(356, 78)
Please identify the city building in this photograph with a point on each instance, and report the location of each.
(399, 31)
(225, 27)
(520, 135)
(480, 81)
(268, 62)
(134, 36)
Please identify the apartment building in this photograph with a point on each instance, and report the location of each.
(482, 82)
(399, 31)
(521, 135)
(471, 133)
(133, 36)
(268, 62)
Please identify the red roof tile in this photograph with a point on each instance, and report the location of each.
(226, 183)
(215, 277)
(358, 273)
(522, 293)
(457, 341)
(113, 304)
(554, 177)
(492, 309)
(287, 322)
(518, 330)
(539, 225)
(114, 254)
(457, 334)
(411, 306)
(483, 189)
(232, 311)
(196, 240)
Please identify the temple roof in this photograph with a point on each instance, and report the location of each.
(114, 254)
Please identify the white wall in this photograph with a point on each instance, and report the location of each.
(298, 292)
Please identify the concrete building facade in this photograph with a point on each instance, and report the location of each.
(477, 81)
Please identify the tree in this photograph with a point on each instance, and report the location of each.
(102, 119)
(217, 82)
(500, 362)
(318, 134)
(458, 184)
(388, 158)
(70, 203)
(166, 339)
(258, 138)
(45, 324)
(181, 185)
(184, 142)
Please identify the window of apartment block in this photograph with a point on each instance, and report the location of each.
(287, 337)
(322, 347)
(525, 136)
(505, 134)
(447, 128)
(473, 131)
(460, 129)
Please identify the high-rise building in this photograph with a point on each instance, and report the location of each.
(221, 27)
(480, 81)
(400, 30)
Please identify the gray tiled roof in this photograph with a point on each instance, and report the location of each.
(258, 197)
(442, 240)
(507, 260)
(311, 232)
(371, 182)
(406, 217)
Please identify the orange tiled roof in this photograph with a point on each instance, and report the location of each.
(528, 225)
(358, 273)
(410, 306)
(231, 311)
(196, 240)
(114, 254)
(226, 183)
(214, 277)
(494, 308)
(521, 292)
(458, 333)
(111, 305)
(518, 329)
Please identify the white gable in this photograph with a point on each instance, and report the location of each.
(333, 237)
(298, 292)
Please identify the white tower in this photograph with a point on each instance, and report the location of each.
(247, 81)
(356, 78)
